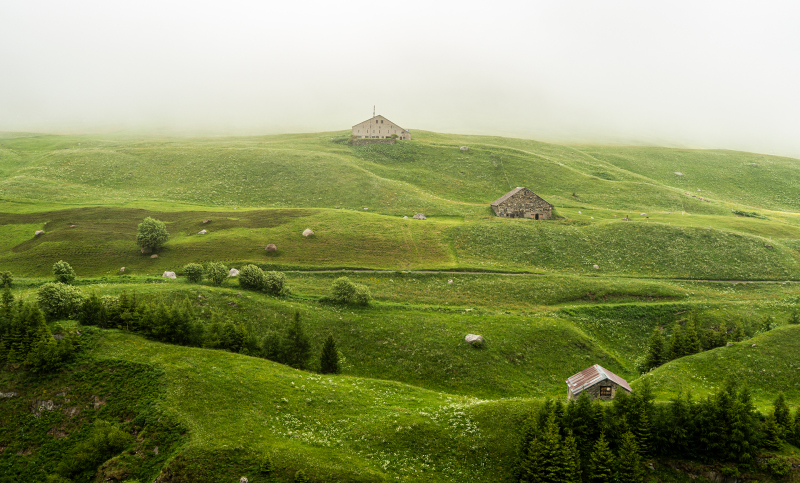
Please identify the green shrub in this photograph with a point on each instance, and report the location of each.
(251, 277)
(794, 318)
(362, 295)
(193, 272)
(347, 292)
(300, 477)
(216, 272)
(274, 282)
(778, 466)
(59, 301)
(151, 234)
(104, 441)
(63, 272)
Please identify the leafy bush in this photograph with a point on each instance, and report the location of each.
(63, 272)
(274, 282)
(251, 277)
(216, 272)
(778, 466)
(59, 301)
(193, 272)
(749, 214)
(345, 291)
(151, 234)
(104, 441)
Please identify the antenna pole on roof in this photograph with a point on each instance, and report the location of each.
(373, 111)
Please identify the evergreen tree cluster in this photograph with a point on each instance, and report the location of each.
(589, 441)
(26, 339)
(177, 323)
(686, 340)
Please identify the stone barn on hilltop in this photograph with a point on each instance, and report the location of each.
(597, 382)
(522, 203)
(378, 127)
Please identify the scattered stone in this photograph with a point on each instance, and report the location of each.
(643, 214)
(615, 216)
(596, 267)
(729, 344)
(201, 297)
(238, 295)
(449, 282)
(58, 336)
(146, 250)
(752, 345)
(753, 164)
(366, 208)
(307, 232)
(233, 272)
(474, 339)
(39, 232)
(73, 226)
(579, 212)
(405, 217)
(38, 407)
(464, 148)
(768, 246)
(202, 232)
(467, 310)
(122, 270)
(243, 479)
(206, 220)
(650, 465)
(678, 173)
(419, 216)
(169, 275)
(233, 304)
(154, 256)
(8, 394)
(272, 247)
(591, 217)
(155, 450)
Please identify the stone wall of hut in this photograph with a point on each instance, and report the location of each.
(594, 391)
(524, 204)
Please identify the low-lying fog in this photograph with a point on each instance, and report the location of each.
(686, 73)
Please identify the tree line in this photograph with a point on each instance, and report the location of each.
(586, 441)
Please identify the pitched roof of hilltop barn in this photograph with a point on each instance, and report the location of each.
(593, 375)
(513, 192)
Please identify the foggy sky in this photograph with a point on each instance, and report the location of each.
(699, 74)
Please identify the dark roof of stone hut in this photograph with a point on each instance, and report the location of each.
(591, 376)
(512, 193)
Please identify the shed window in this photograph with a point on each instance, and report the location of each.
(605, 391)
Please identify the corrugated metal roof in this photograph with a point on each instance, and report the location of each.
(591, 376)
(507, 196)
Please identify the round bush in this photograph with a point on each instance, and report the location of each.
(151, 234)
(193, 272)
(343, 290)
(362, 295)
(274, 282)
(59, 301)
(63, 272)
(251, 277)
(217, 273)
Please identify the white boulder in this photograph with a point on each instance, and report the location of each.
(169, 275)
(464, 148)
(233, 273)
(39, 232)
(419, 216)
(307, 232)
(474, 339)
(202, 232)
(596, 267)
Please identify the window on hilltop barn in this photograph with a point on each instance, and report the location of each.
(605, 391)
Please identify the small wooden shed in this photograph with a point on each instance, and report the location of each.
(598, 382)
(522, 203)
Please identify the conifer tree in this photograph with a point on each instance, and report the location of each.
(572, 460)
(677, 346)
(329, 359)
(552, 452)
(300, 477)
(643, 432)
(655, 351)
(794, 435)
(691, 340)
(629, 467)
(532, 462)
(772, 433)
(601, 462)
(782, 415)
(296, 345)
(794, 317)
(6, 305)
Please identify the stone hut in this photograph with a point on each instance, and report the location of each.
(378, 127)
(598, 382)
(522, 203)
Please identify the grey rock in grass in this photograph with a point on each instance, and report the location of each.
(122, 270)
(233, 272)
(464, 148)
(678, 173)
(73, 226)
(272, 247)
(419, 216)
(474, 339)
(8, 394)
(449, 282)
(39, 232)
(596, 267)
(146, 250)
(154, 256)
(243, 480)
(155, 450)
(405, 217)
(752, 345)
(729, 344)
(169, 275)
(768, 246)
(206, 220)
(307, 232)
(202, 232)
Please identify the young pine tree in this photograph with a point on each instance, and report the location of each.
(655, 351)
(629, 467)
(329, 359)
(677, 346)
(772, 433)
(572, 460)
(296, 345)
(552, 452)
(601, 462)
(691, 339)
(794, 435)
(782, 415)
